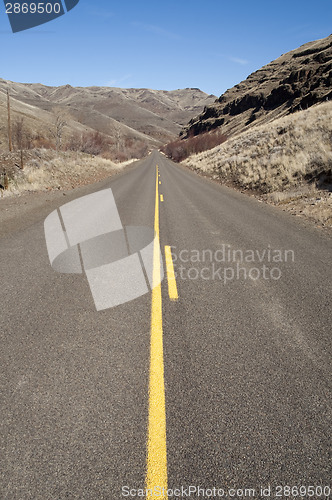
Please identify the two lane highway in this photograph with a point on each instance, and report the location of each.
(221, 380)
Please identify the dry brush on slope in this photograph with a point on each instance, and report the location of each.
(180, 149)
(45, 171)
(289, 155)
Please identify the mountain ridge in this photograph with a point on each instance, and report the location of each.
(294, 81)
(146, 116)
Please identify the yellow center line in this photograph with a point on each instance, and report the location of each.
(156, 477)
(172, 288)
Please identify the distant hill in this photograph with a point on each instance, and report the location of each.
(294, 81)
(141, 117)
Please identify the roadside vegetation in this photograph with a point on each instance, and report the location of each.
(60, 137)
(45, 170)
(285, 161)
(181, 149)
(58, 157)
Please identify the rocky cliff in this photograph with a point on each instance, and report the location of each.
(294, 81)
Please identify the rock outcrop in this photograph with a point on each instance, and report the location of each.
(294, 81)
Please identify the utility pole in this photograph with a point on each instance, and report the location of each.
(9, 124)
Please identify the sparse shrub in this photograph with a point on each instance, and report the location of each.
(180, 149)
(39, 141)
(22, 138)
(93, 143)
(120, 157)
(98, 144)
(5, 180)
(74, 143)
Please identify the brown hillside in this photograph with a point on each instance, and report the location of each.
(294, 81)
(150, 117)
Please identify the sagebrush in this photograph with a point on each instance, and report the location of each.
(291, 151)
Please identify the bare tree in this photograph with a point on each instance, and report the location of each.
(118, 137)
(10, 146)
(18, 133)
(22, 137)
(60, 121)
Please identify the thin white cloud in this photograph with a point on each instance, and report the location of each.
(118, 81)
(299, 29)
(157, 30)
(238, 60)
(97, 12)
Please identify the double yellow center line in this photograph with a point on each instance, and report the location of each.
(156, 477)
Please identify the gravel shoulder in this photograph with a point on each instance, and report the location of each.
(312, 206)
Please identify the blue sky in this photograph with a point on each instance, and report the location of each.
(209, 44)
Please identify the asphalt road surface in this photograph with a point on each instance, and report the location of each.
(243, 371)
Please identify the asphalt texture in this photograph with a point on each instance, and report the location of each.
(247, 353)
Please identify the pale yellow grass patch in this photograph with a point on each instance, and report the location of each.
(288, 161)
(44, 170)
(275, 156)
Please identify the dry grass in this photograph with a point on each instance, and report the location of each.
(275, 157)
(45, 171)
(307, 201)
(286, 160)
